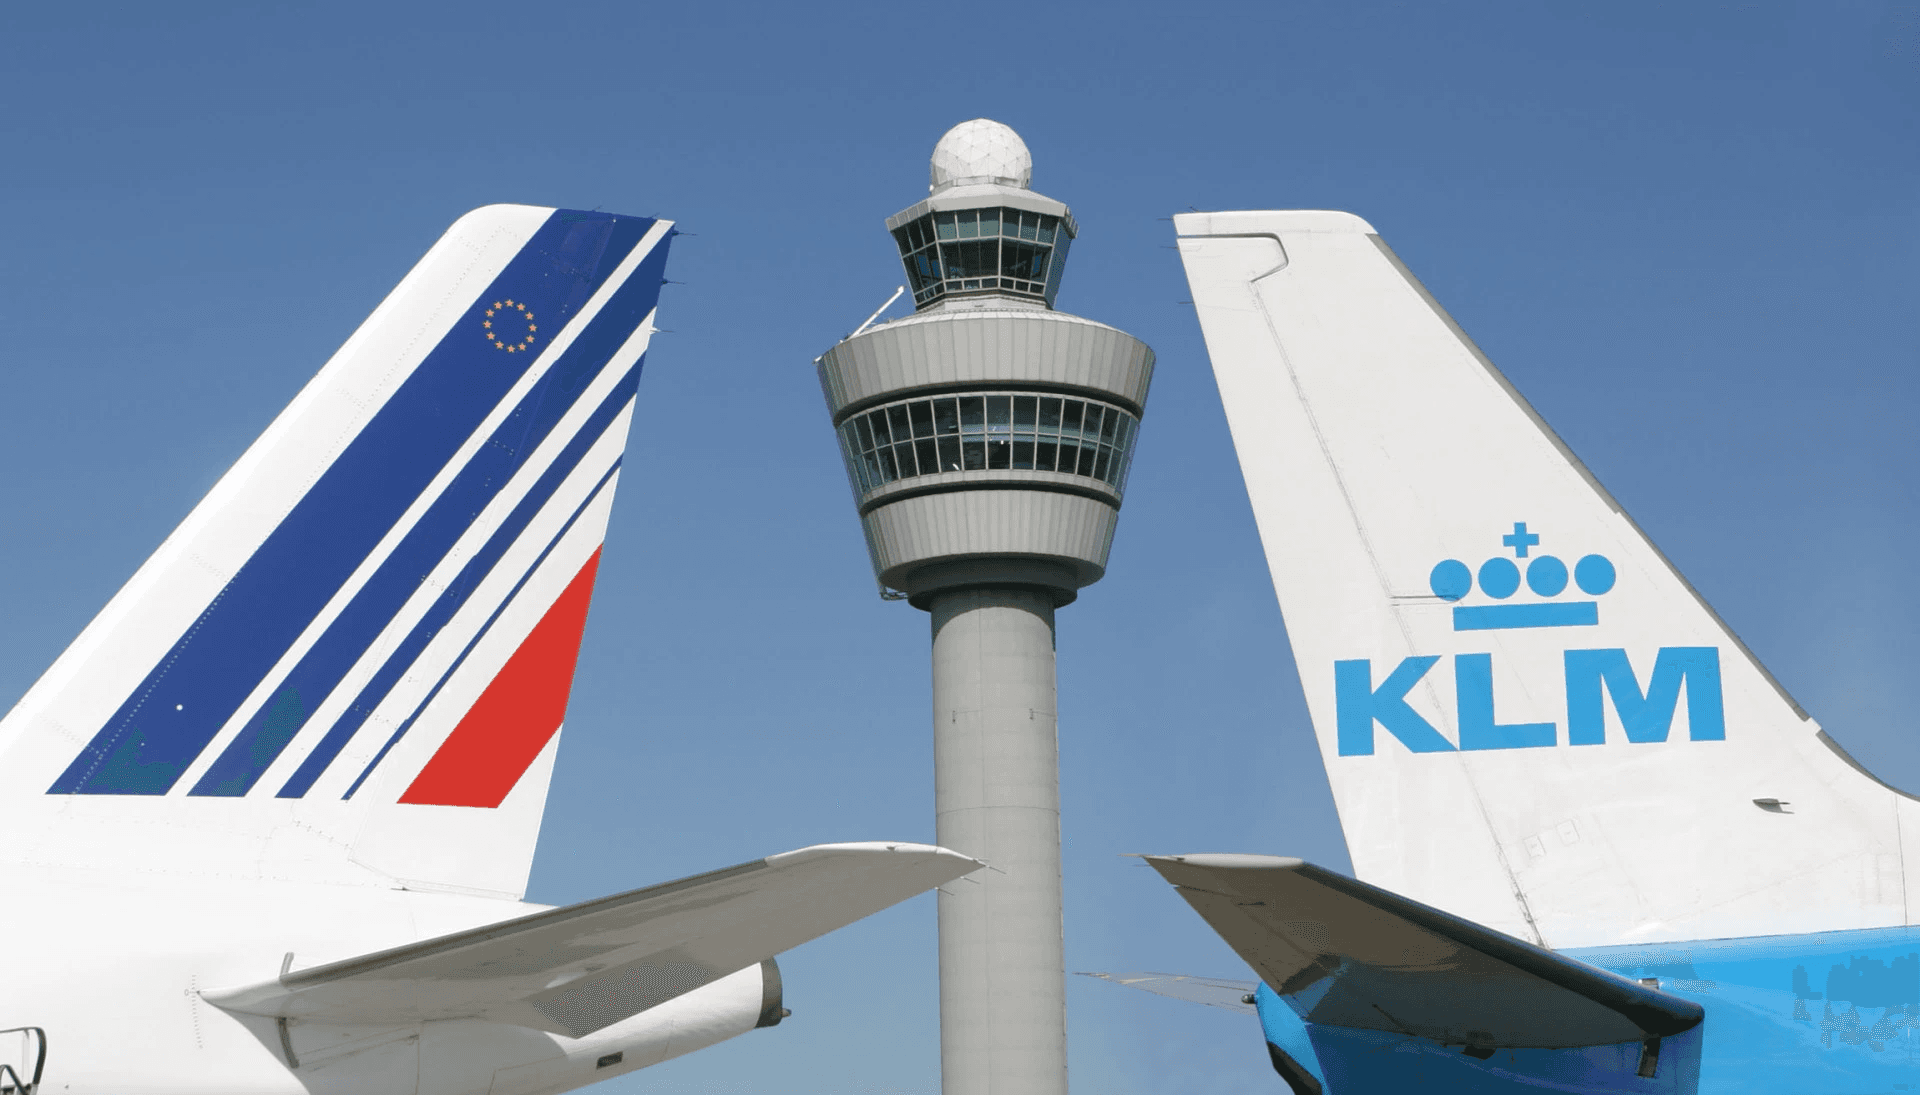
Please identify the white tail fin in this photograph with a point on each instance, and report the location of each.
(350, 662)
(1529, 718)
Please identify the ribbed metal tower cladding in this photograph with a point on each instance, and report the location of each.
(988, 438)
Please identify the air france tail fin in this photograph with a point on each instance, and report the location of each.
(1527, 715)
(350, 662)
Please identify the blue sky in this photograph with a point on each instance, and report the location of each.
(1687, 233)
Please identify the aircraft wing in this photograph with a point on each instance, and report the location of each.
(576, 969)
(1347, 954)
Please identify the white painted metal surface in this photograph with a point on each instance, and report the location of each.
(1602, 760)
(148, 983)
(577, 970)
(991, 345)
(903, 536)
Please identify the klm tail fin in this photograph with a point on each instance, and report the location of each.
(1528, 717)
(350, 662)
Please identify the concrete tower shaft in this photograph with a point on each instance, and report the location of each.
(987, 438)
(1003, 1019)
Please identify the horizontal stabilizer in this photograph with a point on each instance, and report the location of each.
(1215, 992)
(1348, 954)
(577, 969)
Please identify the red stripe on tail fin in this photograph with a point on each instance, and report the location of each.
(518, 713)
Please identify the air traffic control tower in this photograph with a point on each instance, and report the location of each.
(987, 437)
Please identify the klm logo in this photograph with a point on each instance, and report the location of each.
(1593, 678)
(1500, 579)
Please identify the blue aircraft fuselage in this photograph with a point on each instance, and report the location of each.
(1834, 1013)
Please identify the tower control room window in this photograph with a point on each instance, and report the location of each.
(1013, 431)
(984, 250)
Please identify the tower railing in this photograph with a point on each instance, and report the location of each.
(32, 1045)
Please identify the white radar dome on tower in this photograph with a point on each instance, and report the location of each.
(980, 151)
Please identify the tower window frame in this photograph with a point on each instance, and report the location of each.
(989, 431)
(993, 249)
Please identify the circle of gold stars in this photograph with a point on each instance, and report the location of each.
(503, 310)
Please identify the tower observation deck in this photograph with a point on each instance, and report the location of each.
(987, 437)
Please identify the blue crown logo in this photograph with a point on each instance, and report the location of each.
(1499, 578)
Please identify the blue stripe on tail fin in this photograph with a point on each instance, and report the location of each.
(222, 657)
(492, 467)
(456, 594)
